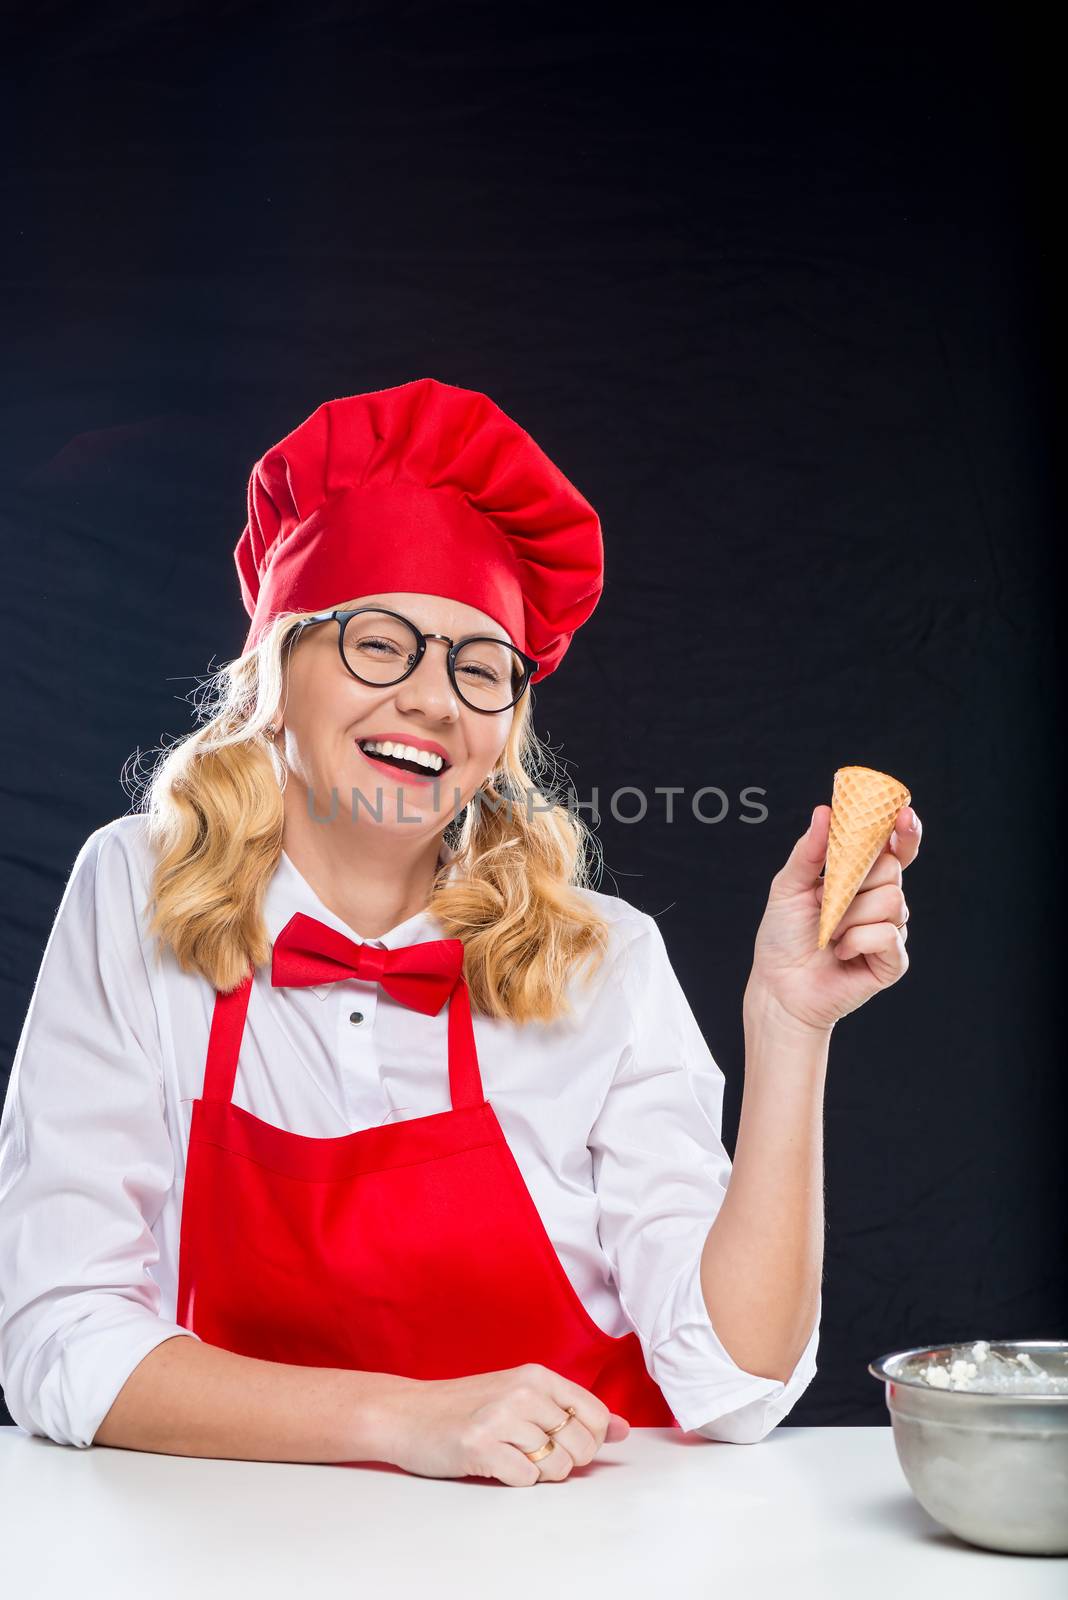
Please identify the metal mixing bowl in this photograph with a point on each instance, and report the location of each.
(992, 1468)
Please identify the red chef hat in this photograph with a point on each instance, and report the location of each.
(426, 488)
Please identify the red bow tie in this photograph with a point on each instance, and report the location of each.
(422, 976)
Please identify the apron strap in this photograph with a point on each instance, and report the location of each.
(228, 1026)
(224, 1041)
(465, 1080)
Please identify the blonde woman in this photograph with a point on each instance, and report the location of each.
(348, 1121)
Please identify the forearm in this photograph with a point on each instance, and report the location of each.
(762, 1262)
(190, 1398)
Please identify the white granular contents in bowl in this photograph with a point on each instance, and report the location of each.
(985, 1371)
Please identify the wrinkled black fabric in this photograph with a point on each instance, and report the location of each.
(775, 291)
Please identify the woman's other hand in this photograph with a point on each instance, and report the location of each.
(481, 1426)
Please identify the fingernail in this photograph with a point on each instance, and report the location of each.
(812, 820)
(914, 821)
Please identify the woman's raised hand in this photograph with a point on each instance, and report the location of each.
(805, 987)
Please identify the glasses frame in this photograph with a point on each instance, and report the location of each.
(341, 617)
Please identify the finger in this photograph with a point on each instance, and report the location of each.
(528, 1436)
(592, 1413)
(905, 839)
(509, 1465)
(558, 1464)
(568, 1430)
(884, 869)
(886, 903)
(874, 939)
(805, 861)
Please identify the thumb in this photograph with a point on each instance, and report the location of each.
(805, 861)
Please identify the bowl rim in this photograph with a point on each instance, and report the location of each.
(877, 1368)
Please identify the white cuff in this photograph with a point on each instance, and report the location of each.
(71, 1383)
(706, 1389)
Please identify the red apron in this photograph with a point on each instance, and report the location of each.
(412, 1248)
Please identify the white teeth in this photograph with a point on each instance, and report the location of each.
(407, 752)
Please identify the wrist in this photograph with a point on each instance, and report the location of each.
(764, 1015)
(377, 1401)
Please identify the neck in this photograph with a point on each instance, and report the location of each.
(371, 876)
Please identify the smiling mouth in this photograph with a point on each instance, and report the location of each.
(402, 764)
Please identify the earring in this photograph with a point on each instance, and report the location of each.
(270, 730)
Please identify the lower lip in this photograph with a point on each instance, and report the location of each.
(399, 773)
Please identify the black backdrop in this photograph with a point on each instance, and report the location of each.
(775, 289)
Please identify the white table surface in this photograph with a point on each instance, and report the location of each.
(806, 1512)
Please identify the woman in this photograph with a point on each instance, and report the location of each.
(347, 1121)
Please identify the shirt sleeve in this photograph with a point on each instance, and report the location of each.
(661, 1172)
(85, 1163)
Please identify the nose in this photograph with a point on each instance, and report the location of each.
(429, 688)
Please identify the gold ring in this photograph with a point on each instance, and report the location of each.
(539, 1455)
(559, 1425)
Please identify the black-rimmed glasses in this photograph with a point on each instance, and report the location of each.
(381, 648)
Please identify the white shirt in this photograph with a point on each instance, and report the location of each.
(613, 1118)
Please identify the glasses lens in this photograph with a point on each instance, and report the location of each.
(379, 648)
(489, 675)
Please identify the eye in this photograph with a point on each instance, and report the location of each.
(377, 646)
(481, 674)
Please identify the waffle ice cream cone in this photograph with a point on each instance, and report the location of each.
(864, 808)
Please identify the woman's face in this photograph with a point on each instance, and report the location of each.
(327, 714)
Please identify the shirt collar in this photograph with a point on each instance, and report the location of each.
(289, 892)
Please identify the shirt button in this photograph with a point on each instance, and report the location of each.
(356, 1016)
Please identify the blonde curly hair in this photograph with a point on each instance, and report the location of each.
(214, 819)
